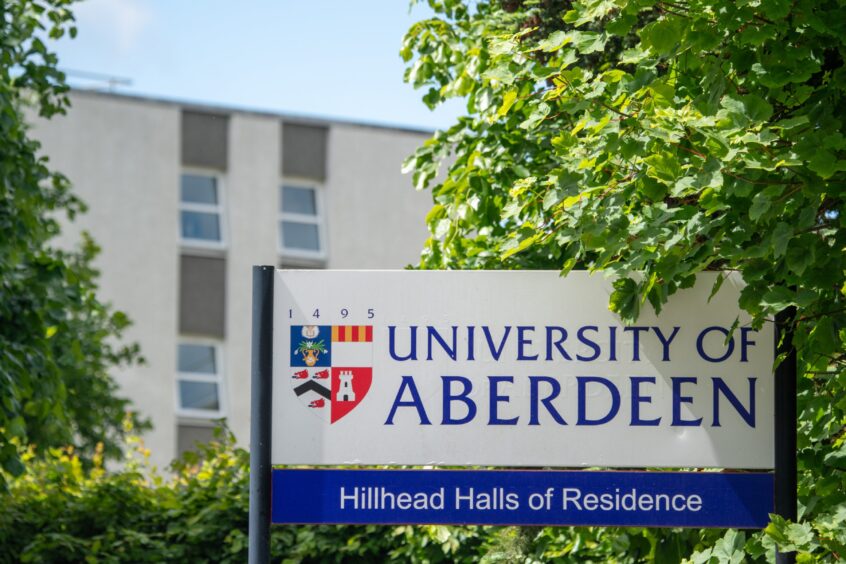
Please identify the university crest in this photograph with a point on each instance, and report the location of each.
(331, 367)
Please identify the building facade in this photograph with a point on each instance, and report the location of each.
(185, 199)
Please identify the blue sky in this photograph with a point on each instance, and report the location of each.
(327, 58)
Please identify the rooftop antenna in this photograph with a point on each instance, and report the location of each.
(98, 79)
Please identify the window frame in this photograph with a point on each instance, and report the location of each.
(219, 209)
(216, 378)
(318, 219)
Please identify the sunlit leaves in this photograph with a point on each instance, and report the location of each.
(664, 36)
(661, 139)
(62, 511)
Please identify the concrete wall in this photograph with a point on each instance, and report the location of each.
(254, 179)
(122, 155)
(123, 160)
(375, 217)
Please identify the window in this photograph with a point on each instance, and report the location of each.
(199, 381)
(188, 435)
(201, 210)
(301, 221)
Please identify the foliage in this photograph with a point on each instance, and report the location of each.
(61, 512)
(318, 346)
(654, 140)
(56, 338)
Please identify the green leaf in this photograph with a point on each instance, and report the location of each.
(555, 41)
(825, 164)
(513, 246)
(792, 123)
(800, 534)
(507, 101)
(798, 258)
(713, 84)
(663, 166)
(614, 75)
(662, 92)
(499, 73)
(13, 466)
(823, 336)
(718, 283)
(756, 108)
(436, 213)
(780, 238)
(589, 11)
(778, 298)
(836, 458)
(442, 228)
(652, 189)
(16, 427)
(587, 42)
(537, 115)
(502, 46)
(729, 549)
(552, 197)
(621, 25)
(760, 205)
(664, 35)
(775, 9)
(775, 529)
(624, 300)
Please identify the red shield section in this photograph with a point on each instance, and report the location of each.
(349, 386)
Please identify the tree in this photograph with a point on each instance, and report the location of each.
(655, 140)
(57, 340)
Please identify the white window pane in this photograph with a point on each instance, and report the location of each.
(302, 236)
(200, 225)
(198, 395)
(199, 189)
(197, 358)
(296, 199)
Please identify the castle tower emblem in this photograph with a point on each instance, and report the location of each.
(345, 392)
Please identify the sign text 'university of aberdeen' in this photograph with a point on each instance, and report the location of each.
(514, 369)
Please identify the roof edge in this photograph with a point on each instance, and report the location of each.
(304, 119)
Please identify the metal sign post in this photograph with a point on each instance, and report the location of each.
(260, 426)
(785, 425)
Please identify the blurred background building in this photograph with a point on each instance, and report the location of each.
(185, 199)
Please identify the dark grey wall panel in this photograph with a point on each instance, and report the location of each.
(187, 436)
(202, 296)
(205, 139)
(304, 150)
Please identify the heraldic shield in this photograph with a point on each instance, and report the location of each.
(331, 367)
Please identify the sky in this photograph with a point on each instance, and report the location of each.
(321, 58)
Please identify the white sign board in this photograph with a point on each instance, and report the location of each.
(514, 368)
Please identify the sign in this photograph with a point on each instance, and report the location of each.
(508, 368)
(651, 499)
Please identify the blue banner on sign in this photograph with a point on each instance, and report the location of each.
(494, 497)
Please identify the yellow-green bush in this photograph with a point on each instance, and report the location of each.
(61, 511)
